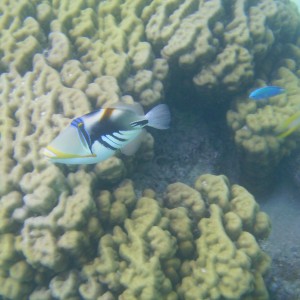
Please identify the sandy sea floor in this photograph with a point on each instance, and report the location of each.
(283, 245)
(198, 144)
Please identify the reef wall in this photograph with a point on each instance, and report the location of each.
(61, 59)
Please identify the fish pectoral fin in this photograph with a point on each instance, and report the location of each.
(132, 147)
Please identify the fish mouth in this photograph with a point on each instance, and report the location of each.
(69, 144)
(52, 153)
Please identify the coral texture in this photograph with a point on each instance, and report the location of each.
(61, 59)
(257, 124)
(219, 52)
(116, 246)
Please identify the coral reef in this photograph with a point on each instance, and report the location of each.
(256, 125)
(87, 42)
(147, 249)
(218, 52)
(61, 59)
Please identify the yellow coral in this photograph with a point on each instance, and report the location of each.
(179, 193)
(104, 52)
(259, 127)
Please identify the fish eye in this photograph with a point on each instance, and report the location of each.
(77, 123)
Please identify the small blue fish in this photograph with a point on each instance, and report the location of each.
(96, 136)
(266, 92)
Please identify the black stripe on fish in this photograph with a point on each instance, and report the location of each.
(118, 138)
(107, 127)
(85, 135)
(141, 123)
(107, 145)
(113, 144)
(78, 123)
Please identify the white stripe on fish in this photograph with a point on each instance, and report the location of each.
(96, 136)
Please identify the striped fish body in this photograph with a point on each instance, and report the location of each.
(96, 136)
(110, 129)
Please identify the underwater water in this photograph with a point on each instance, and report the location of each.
(218, 156)
(207, 209)
(207, 146)
(297, 3)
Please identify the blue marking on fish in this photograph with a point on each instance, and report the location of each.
(97, 135)
(76, 122)
(266, 92)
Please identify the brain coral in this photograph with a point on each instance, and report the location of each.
(112, 245)
(219, 52)
(60, 59)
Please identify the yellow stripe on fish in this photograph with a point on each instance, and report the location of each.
(54, 152)
(290, 125)
(96, 136)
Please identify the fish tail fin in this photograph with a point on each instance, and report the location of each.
(159, 117)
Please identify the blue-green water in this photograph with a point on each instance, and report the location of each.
(85, 232)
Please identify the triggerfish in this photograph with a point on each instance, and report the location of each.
(266, 92)
(290, 125)
(96, 136)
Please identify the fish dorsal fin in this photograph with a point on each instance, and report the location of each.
(134, 145)
(134, 107)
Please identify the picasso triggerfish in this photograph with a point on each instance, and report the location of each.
(266, 92)
(96, 136)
